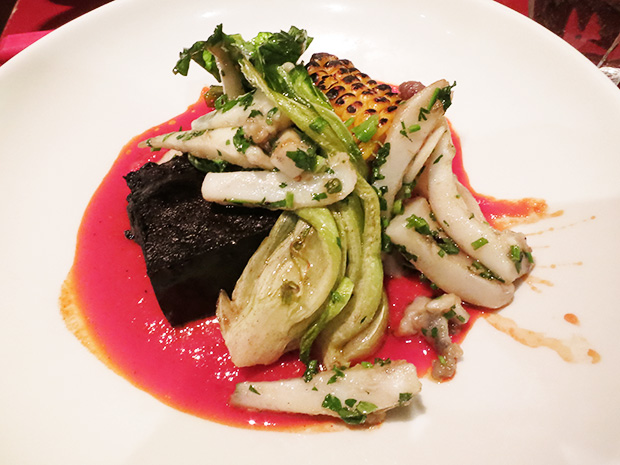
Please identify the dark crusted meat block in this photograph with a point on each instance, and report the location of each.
(192, 248)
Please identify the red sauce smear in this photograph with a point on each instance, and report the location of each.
(189, 368)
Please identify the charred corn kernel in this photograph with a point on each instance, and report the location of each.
(354, 96)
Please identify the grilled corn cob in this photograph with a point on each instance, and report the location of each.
(354, 94)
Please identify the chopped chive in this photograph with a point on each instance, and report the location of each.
(419, 224)
(450, 314)
(479, 243)
(365, 131)
(318, 197)
(403, 130)
(289, 199)
(398, 207)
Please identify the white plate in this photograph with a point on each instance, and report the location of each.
(536, 119)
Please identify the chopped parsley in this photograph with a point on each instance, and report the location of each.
(338, 373)
(444, 95)
(484, 272)
(241, 142)
(447, 245)
(306, 161)
(208, 166)
(380, 160)
(189, 135)
(270, 114)
(419, 224)
(223, 104)
(312, 368)
(409, 256)
(352, 412)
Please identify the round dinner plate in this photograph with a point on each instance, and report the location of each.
(536, 119)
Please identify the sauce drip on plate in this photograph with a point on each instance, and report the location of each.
(189, 368)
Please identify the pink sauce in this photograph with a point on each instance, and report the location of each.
(189, 368)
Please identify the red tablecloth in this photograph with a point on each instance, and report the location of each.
(591, 26)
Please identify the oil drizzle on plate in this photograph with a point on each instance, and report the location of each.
(108, 302)
(575, 350)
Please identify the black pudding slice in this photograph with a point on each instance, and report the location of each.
(192, 248)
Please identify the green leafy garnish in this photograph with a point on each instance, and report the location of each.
(367, 129)
(479, 243)
(338, 373)
(312, 368)
(208, 166)
(419, 224)
(305, 160)
(380, 159)
(240, 142)
(352, 412)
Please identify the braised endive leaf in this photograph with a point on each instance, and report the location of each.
(282, 289)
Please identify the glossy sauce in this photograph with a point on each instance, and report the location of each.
(189, 368)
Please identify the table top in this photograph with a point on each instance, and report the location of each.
(591, 26)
